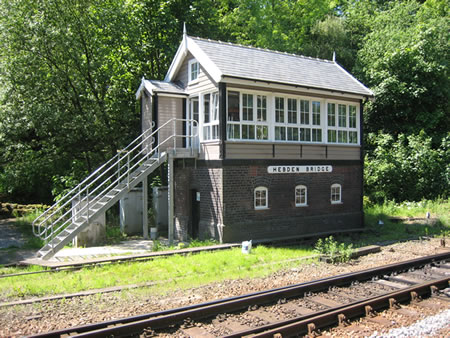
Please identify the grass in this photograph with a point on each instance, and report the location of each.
(194, 270)
(170, 273)
(390, 230)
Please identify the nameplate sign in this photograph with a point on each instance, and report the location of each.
(299, 169)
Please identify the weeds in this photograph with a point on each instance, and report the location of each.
(337, 252)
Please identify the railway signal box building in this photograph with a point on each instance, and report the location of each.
(277, 140)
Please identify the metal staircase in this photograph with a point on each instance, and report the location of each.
(59, 224)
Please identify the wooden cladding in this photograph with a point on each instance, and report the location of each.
(242, 150)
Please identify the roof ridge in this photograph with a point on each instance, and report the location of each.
(262, 49)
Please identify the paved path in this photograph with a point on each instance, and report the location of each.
(10, 238)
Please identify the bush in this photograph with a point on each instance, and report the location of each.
(338, 252)
(406, 168)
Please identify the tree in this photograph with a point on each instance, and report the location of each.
(404, 59)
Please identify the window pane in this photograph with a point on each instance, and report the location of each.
(233, 131)
(305, 134)
(335, 193)
(342, 136)
(317, 135)
(206, 108)
(262, 108)
(280, 133)
(332, 136)
(292, 134)
(304, 111)
(316, 113)
(279, 109)
(248, 132)
(247, 107)
(353, 137)
(233, 106)
(262, 132)
(342, 115)
(352, 116)
(207, 132)
(292, 111)
(215, 132)
(331, 114)
(215, 106)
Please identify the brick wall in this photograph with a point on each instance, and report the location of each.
(227, 204)
(283, 218)
(208, 181)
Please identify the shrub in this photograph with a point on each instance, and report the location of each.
(338, 252)
(406, 168)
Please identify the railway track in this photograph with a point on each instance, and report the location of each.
(288, 311)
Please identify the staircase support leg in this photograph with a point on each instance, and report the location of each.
(145, 208)
(170, 180)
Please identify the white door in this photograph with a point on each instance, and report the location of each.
(193, 127)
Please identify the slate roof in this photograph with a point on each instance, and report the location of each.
(163, 87)
(266, 65)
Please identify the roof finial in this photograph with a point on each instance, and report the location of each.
(334, 56)
(184, 28)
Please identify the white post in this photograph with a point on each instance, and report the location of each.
(170, 198)
(145, 207)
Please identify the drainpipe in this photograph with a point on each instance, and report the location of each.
(170, 180)
(145, 207)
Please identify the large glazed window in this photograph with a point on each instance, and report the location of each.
(286, 118)
(342, 125)
(301, 196)
(261, 198)
(211, 116)
(247, 117)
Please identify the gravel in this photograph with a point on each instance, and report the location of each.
(429, 326)
(53, 315)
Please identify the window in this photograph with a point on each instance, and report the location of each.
(194, 70)
(331, 113)
(345, 129)
(247, 117)
(261, 198)
(211, 116)
(301, 196)
(335, 193)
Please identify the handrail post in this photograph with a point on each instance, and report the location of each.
(87, 192)
(174, 135)
(128, 169)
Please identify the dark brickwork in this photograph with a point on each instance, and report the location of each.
(227, 200)
(207, 181)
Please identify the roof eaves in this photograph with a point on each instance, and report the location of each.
(177, 60)
(298, 85)
(370, 93)
(204, 60)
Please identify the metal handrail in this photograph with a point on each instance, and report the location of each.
(90, 186)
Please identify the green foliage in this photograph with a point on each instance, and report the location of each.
(406, 168)
(404, 59)
(337, 252)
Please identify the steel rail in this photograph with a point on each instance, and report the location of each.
(329, 317)
(204, 310)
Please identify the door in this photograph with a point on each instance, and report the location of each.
(193, 127)
(195, 214)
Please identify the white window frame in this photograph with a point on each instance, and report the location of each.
(213, 124)
(254, 122)
(190, 64)
(266, 199)
(334, 193)
(301, 187)
(269, 126)
(343, 129)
